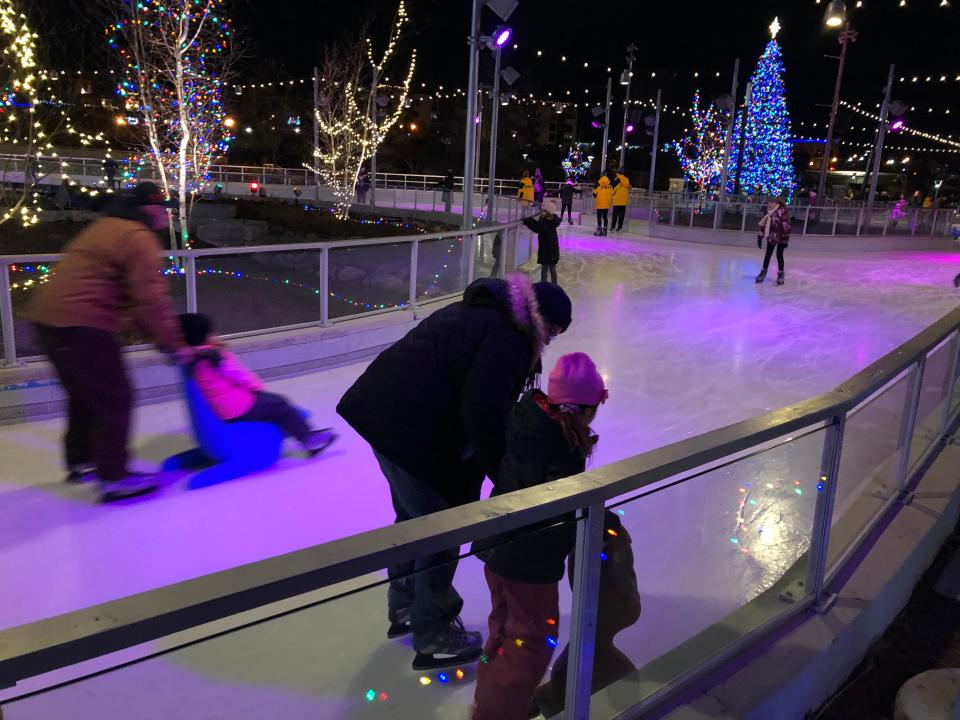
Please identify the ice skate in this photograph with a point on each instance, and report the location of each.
(318, 441)
(81, 473)
(132, 485)
(454, 645)
(403, 625)
(780, 278)
(762, 276)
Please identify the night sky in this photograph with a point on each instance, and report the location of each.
(674, 38)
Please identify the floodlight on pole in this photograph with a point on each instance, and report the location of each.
(501, 35)
(836, 14)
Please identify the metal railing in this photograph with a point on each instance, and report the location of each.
(849, 220)
(923, 370)
(434, 272)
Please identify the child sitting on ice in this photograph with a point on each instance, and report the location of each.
(236, 394)
(548, 438)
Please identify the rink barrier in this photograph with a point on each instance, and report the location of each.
(59, 642)
(186, 262)
(846, 220)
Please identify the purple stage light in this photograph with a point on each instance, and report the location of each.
(897, 125)
(630, 128)
(501, 37)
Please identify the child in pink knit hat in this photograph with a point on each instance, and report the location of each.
(548, 438)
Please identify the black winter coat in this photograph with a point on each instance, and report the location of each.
(567, 192)
(548, 244)
(443, 392)
(537, 453)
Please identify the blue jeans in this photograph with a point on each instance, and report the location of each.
(424, 587)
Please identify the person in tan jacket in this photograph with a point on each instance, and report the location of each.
(111, 272)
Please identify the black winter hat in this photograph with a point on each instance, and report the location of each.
(555, 306)
(195, 328)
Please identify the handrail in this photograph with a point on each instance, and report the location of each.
(57, 642)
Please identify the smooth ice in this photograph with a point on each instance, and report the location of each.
(687, 343)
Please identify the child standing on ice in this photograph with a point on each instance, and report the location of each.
(548, 438)
(236, 394)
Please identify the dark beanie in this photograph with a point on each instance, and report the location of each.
(555, 306)
(196, 328)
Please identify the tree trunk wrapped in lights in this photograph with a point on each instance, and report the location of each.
(31, 116)
(177, 55)
(349, 127)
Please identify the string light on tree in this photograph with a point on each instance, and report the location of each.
(700, 152)
(767, 166)
(176, 56)
(576, 165)
(27, 121)
(350, 129)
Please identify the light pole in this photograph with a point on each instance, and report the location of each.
(653, 154)
(725, 170)
(606, 128)
(503, 8)
(499, 39)
(626, 78)
(878, 150)
(835, 16)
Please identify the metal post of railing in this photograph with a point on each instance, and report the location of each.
(325, 287)
(673, 210)
(470, 245)
(933, 223)
(743, 219)
(191, 283)
(691, 216)
(908, 424)
(6, 318)
(886, 227)
(859, 221)
(583, 612)
(414, 265)
(952, 371)
(823, 512)
(916, 219)
(836, 216)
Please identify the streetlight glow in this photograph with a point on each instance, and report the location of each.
(836, 14)
(501, 35)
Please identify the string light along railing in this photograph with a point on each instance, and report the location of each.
(912, 131)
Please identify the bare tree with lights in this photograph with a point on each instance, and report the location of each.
(31, 117)
(700, 151)
(177, 56)
(348, 116)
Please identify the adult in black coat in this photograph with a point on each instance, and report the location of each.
(434, 408)
(548, 244)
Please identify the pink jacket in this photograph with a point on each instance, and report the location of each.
(230, 388)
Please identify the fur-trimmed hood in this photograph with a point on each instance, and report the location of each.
(515, 295)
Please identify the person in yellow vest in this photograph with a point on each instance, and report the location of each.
(525, 193)
(621, 194)
(603, 193)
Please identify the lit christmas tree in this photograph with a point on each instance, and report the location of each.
(701, 152)
(576, 165)
(767, 166)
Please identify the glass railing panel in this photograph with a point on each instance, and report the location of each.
(933, 396)
(327, 655)
(714, 557)
(869, 465)
(259, 291)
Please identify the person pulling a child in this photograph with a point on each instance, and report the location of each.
(548, 438)
(236, 394)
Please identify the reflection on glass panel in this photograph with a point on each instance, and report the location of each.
(25, 280)
(368, 278)
(439, 268)
(259, 290)
(326, 654)
(713, 555)
(868, 466)
(932, 397)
